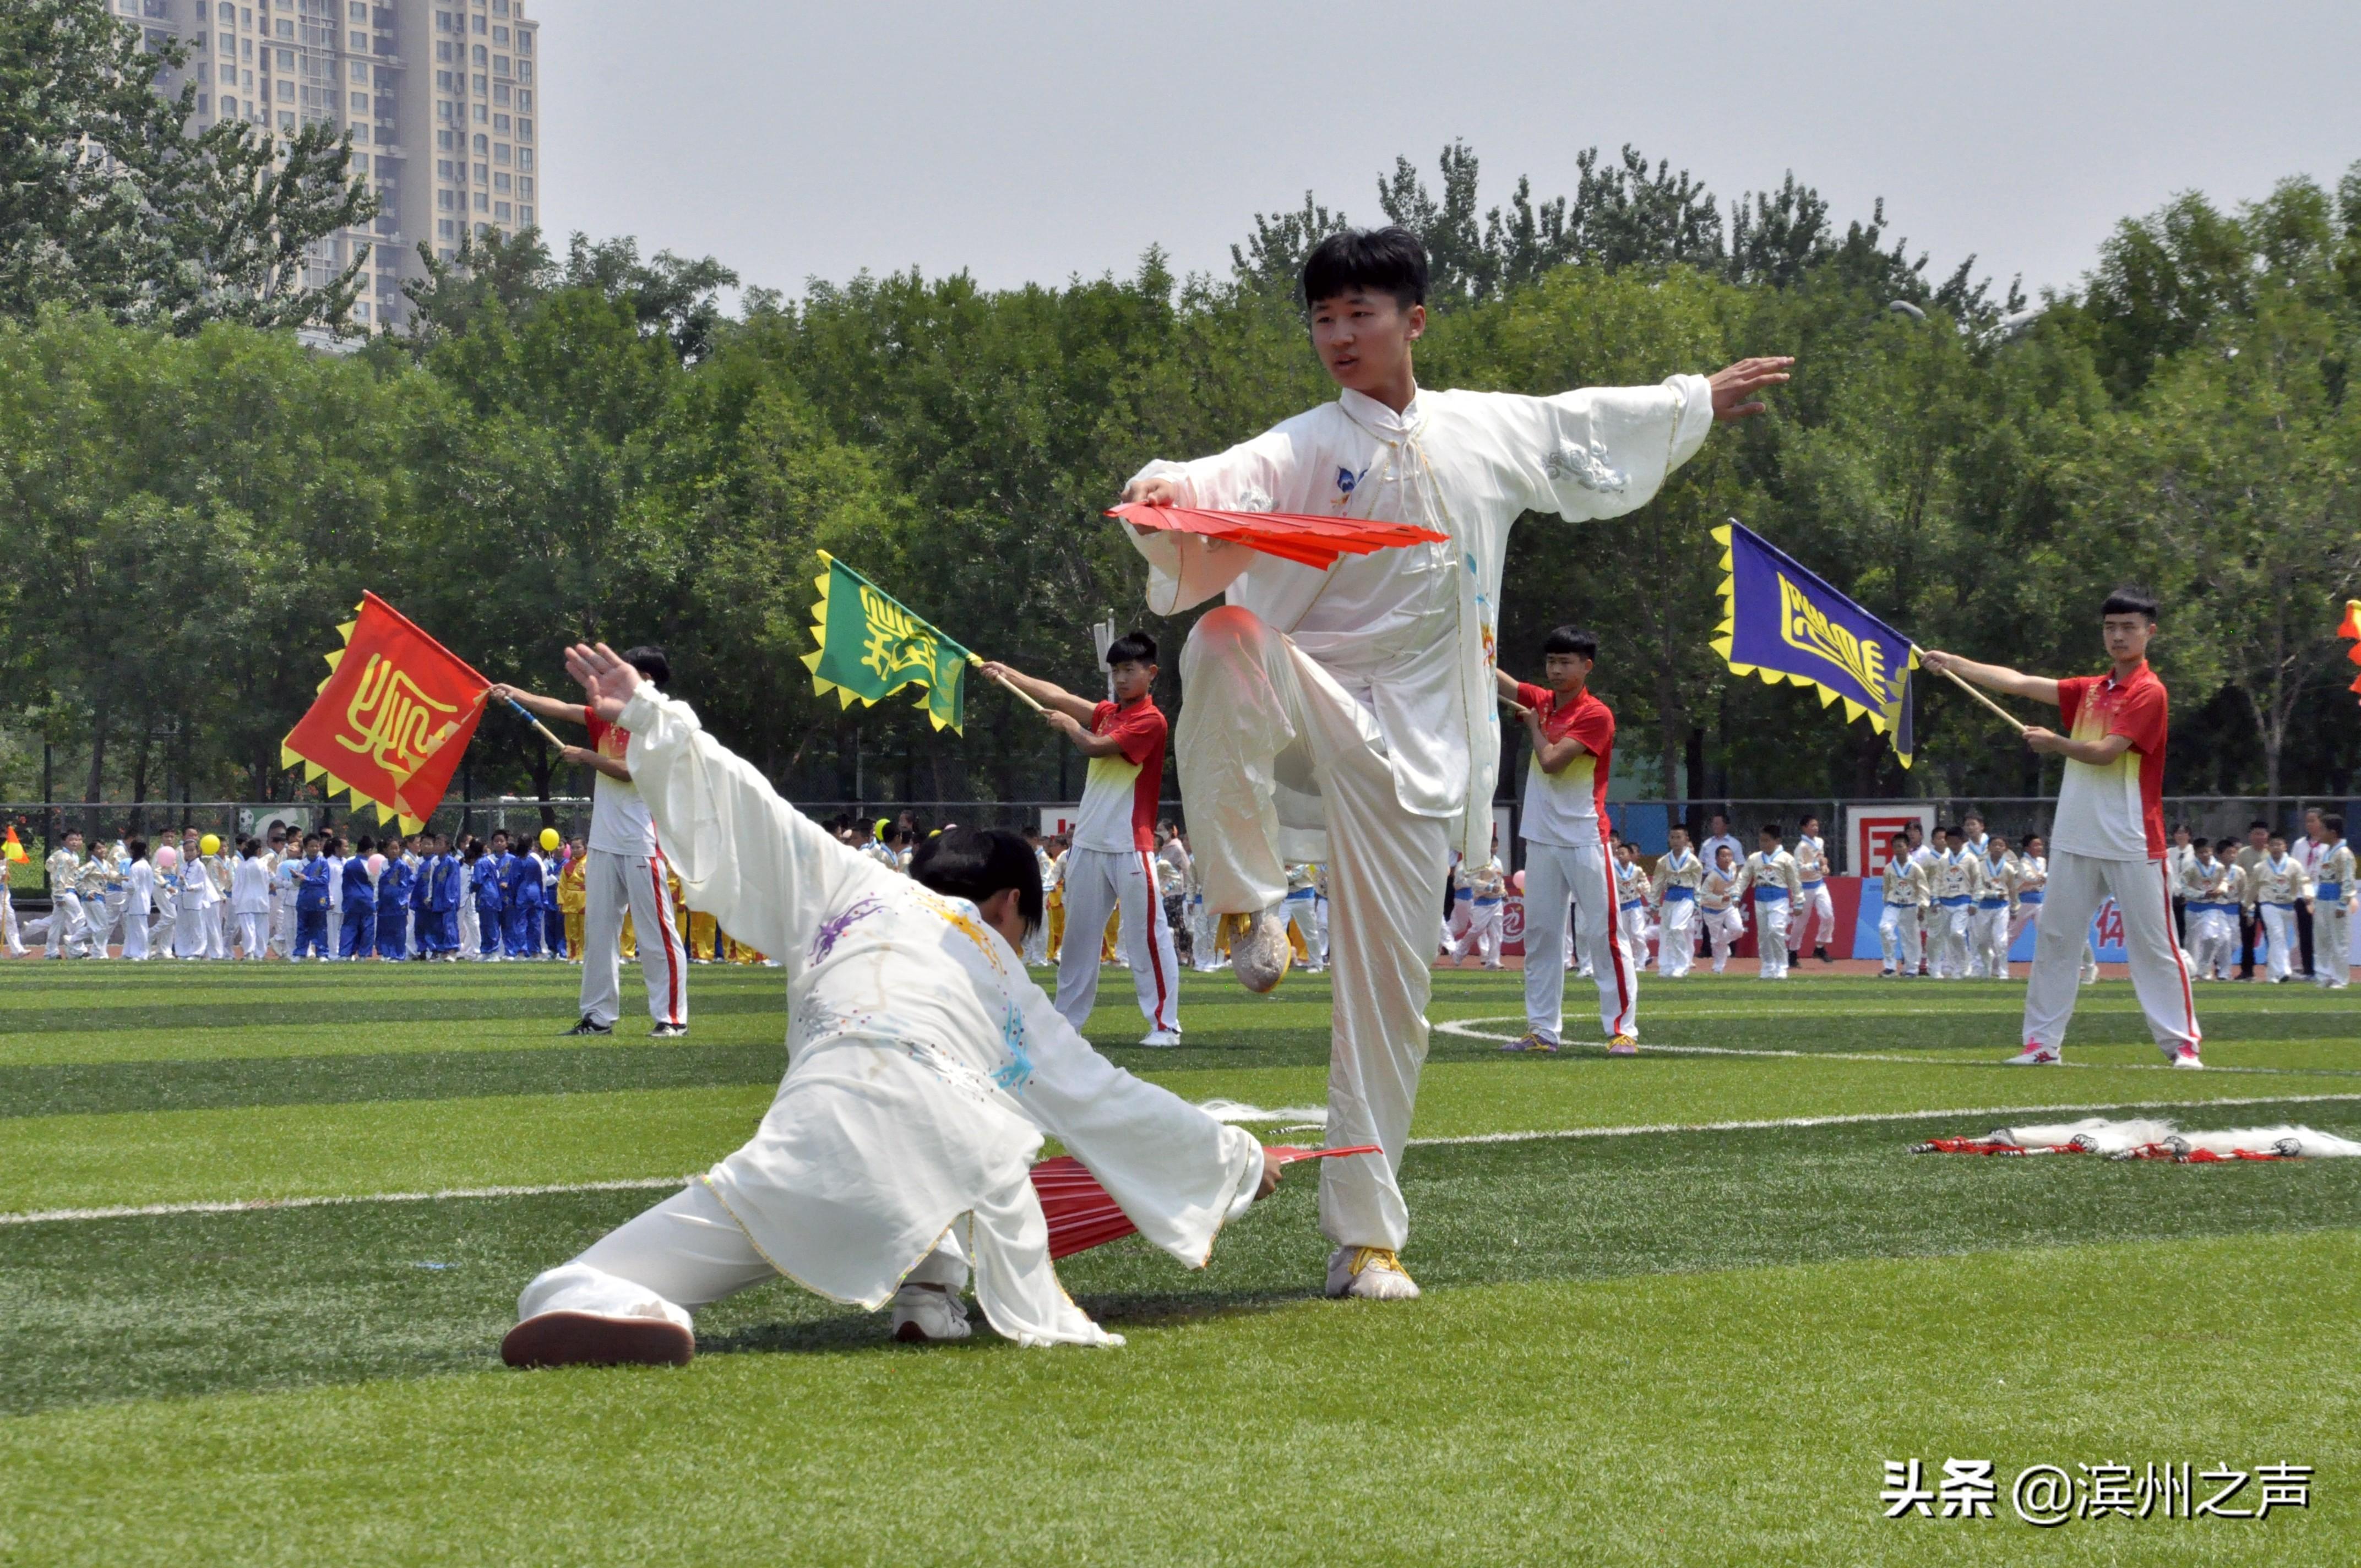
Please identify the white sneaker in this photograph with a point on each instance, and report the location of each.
(2183, 1055)
(1371, 1273)
(929, 1314)
(1161, 1037)
(2035, 1056)
(1260, 954)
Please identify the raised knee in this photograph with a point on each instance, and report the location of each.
(1226, 630)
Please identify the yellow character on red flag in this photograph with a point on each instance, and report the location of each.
(391, 719)
(2352, 627)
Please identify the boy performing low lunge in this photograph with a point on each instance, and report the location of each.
(1565, 825)
(924, 1069)
(2108, 837)
(1112, 866)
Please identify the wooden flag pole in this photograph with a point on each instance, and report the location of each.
(1011, 686)
(2011, 719)
(536, 723)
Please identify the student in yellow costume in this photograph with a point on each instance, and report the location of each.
(573, 898)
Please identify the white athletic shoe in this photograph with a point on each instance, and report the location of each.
(929, 1314)
(2035, 1056)
(1371, 1273)
(2183, 1055)
(1161, 1037)
(1260, 954)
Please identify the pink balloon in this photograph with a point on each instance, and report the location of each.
(377, 865)
(167, 858)
(1518, 882)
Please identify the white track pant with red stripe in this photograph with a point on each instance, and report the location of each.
(1554, 873)
(612, 884)
(2143, 892)
(1098, 882)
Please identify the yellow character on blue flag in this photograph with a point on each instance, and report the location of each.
(1781, 621)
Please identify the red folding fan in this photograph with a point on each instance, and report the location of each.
(1291, 536)
(1083, 1216)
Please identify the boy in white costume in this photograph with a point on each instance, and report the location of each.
(1778, 888)
(1955, 876)
(2336, 895)
(1111, 870)
(1570, 734)
(102, 897)
(192, 912)
(1634, 920)
(2032, 878)
(1995, 907)
(10, 936)
(1904, 886)
(1678, 874)
(249, 900)
(2208, 891)
(66, 922)
(1488, 890)
(1349, 716)
(623, 871)
(1816, 920)
(2278, 885)
(924, 1069)
(2107, 837)
(1718, 896)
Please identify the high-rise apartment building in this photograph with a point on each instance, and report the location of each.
(436, 94)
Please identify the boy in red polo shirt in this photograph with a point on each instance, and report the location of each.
(2108, 837)
(1112, 864)
(1565, 828)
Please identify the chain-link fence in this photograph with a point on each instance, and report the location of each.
(41, 826)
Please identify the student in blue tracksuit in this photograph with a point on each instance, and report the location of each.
(312, 900)
(490, 909)
(421, 919)
(445, 891)
(356, 935)
(520, 901)
(393, 890)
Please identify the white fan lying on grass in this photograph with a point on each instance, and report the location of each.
(2140, 1138)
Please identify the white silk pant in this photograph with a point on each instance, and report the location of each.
(1898, 938)
(1816, 923)
(1988, 943)
(254, 934)
(1098, 884)
(1482, 936)
(2142, 891)
(1723, 926)
(1676, 942)
(1771, 916)
(1261, 715)
(1949, 957)
(610, 884)
(2279, 925)
(2332, 940)
(1556, 873)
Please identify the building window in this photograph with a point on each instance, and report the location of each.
(501, 211)
(500, 127)
(524, 187)
(483, 202)
(360, 311)
(481, 142)
(501, 182)
(361, 161)
(500, 63)
(201, 109)
(285, 92)
(525, 40)
(361, 103)
(483, 175)
(500, 37)
(480, 54)
(500, 153)
(524, 98)
(524, 158)
(443, 229)
(479, 84)
(500, 92)
(525, 127)
(443, 82)
(442, 52)
(443, 168)
(500, 8)
(359, 72)
(226, 14)
(445, 200)
(287, 121)
(524, 216)
(482, 114)
(356, 11)
(284, 30)
(482, 26)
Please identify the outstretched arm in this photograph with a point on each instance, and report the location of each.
(538, 706)
(1996, 677)
(767, 873)
(1047, 692)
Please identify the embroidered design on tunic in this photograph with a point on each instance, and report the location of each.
(1253, 497)
(1019, 1070)
(1586, 467)
(824, 941)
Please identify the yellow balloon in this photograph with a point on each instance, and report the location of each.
(210, 844)
(549, 838)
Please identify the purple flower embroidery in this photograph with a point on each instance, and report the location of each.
(824, 941)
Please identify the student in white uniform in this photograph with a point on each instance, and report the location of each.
(1111, 870)
(2278, 886)
(249, 900)
(2336, 896)
(1816, 923)
(193, 918)
(1719, 892)
(1349, 716)
(1678, 874)
(1954, 877)
(1995, 909)
(1718, 836)
(1634, 923)
(102, 894)
(2177, 858)
(2032, 877)
(622, 870)
(924, 1070)
(1487, 889)
(1777, 889)
(11, 937)
(1904, 886)
(2107, 839)
(2210, 890)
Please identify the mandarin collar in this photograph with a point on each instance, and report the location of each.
(1380, 420)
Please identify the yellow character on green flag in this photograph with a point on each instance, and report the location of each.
(871, 647)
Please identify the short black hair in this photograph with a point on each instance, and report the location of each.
(2129, 598)
(649, 661)
(1902, 834)
(1971, 815)
(1951, 830)
(2258, 822)
(2222, 844)
(1390, 260)
(135, 847)
(976, 864)
(2334, 821)
(1570, 639)
(366, 844)
(1132, 646)
(1771, 827)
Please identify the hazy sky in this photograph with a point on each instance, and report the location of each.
(1033, 142)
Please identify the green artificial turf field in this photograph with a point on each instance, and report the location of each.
(1678, 1308)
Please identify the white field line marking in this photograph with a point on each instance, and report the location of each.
(1466, 1030)
(1557, 1134)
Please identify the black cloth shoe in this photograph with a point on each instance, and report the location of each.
(664, 1031)
(588, 1026)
